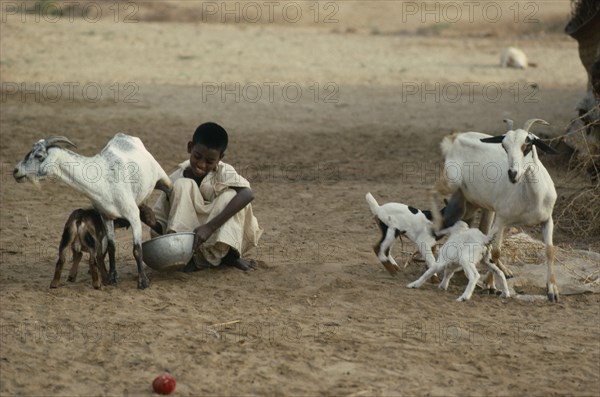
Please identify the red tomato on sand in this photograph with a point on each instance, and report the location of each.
(164, 384)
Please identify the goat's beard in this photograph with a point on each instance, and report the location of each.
(35, 181)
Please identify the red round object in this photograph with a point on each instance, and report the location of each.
(164, 384)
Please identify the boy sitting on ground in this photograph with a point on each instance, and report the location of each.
(211, 199)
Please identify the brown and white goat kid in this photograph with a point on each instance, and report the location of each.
(396, 219)
(84, 232)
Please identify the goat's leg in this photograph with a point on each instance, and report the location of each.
(547, 230)
(101, 266)
(77, 255)
(110, 236)
(96, 283)
(435, 268)
(497, 232)
(136, 226)
(65, 241)
(473, 276)
(427, 252)
(449, 270)
(500, 275)
(498, 237)
(382, 249)
(487, 218)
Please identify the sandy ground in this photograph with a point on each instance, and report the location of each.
(318, 115)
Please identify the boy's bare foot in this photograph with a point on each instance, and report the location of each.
(233, 259)
(243, 264)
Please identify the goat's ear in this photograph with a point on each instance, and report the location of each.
(509, 124)
(544, 147)
(493, 139)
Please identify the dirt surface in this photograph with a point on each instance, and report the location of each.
(318, 114)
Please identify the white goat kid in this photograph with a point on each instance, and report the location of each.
(394, 220)
(509, 180)
(101, 179)
(465, 248)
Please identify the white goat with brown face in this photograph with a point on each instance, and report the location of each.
(508, 180)
(117, 181)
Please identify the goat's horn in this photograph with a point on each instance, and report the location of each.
(55, 140)
(531, 122)
(509, 124)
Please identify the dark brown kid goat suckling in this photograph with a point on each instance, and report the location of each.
(84, 232)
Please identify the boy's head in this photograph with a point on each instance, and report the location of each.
(207, 148)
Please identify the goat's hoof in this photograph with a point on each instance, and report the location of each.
(552, 297)
(112, 279)
(71, 279)
(462, 299)
(53, 285)
(97, 287)
(391, 268)
(490, 291)
(143, 284)
(412, 285)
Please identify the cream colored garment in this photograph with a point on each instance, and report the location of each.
(190, 207)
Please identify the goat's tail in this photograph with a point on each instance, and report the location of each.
(373, 204)
(447, 143)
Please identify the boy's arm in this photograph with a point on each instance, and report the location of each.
(244, 196)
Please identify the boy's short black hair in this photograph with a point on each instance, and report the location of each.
(211, 135)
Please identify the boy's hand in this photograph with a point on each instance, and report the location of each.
(202, 233)
(147, 215)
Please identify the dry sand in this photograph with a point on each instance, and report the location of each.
(320, 316)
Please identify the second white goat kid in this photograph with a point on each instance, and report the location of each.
(465, 248)
(117, 181)
(394, 220)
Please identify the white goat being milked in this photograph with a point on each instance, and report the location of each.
(117, 181)
(465, 248)
(395, 220)
(508, 180)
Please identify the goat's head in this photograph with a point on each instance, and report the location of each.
(34, 165)
(518, 144)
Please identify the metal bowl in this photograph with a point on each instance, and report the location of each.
(169, 252)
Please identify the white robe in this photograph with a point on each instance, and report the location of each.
(190, 206)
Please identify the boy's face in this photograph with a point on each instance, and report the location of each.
(202, 159)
